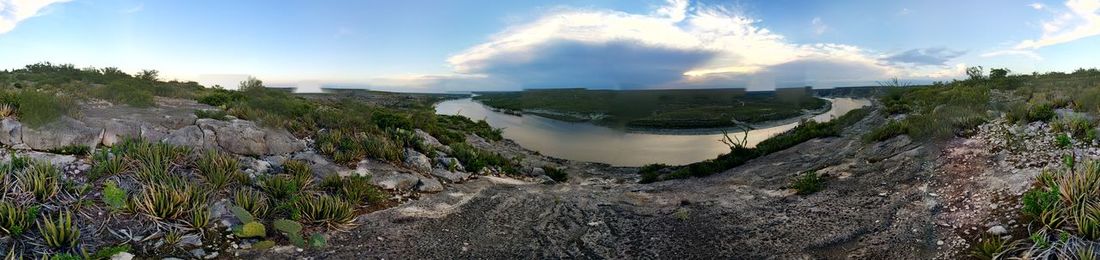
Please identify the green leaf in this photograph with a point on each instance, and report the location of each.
(287, 226)
(262, 245)
(114, 196)
(252, 229)
(242, 214)
(317, 241)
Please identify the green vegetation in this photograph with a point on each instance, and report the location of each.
(42, 179)
(739, 154)
(212, 114)
(38, 108)
(255, 202)
(217, 169)
(60, 234)
(556, 174)
(72, 150)
(1061, 207)
(696, 108)
(16, 219)
(114, 196)
(327, 210)
(104, 164)
(474, 159)
(808, 183)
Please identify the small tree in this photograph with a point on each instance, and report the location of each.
(250, 84)
(149, 75)
(975, 73)
(999, 73)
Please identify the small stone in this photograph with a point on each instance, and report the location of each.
(198, 253)
(123, 256)
(939, 243)
(997, 230)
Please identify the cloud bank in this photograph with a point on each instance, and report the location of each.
(1080, 19)
(14, 11)
(679, 45)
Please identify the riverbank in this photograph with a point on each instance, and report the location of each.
(657, 109)
(594, 143)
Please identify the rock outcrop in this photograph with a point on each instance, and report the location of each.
(172, 122)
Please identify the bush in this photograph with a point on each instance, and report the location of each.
(169, 201)
(556, 174)
(808, 183)
(221, 97)
(114, 196)
(357, 189)
(1063, 141)
(130, 92)
(72, 150)
(212, 114)
(1040, 112)
(887, 131)
(40, 108)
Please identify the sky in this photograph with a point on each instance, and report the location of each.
(441, 46)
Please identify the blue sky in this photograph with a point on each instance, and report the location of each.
(497, 45)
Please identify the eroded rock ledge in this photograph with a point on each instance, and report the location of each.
(172, 121)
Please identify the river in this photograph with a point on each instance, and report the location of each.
(593, 143)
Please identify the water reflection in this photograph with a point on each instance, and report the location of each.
(588, 142)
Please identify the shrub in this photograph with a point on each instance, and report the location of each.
(40, 108)
(217, 169)
(42, 179)
(1063, 141)
(72, 150)
(129, 92)
(887, 131)
(221, 98)
(651, 172)
(1040, 112)
(16, 219)
(59, 234)
(212, 114)
(114, 196)
(327, 210)
(808, 183)
(556, 174)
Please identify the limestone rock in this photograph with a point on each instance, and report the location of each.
(428, 139)
(395, 181)
(63, 132)
(453, 177)
(417, 160)
(429, 185)
(11, 132)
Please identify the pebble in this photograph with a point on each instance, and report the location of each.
(939, 243)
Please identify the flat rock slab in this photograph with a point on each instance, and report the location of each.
(395, 181)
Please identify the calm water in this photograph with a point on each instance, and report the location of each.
(588, 142)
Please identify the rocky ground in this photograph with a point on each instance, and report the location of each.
(895, 199)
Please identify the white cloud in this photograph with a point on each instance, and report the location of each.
(14, 11)
(677, 45)
(1036, 6)
(818, 26)
(1080, 20)
(1026, 53)
(904, 12)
